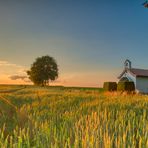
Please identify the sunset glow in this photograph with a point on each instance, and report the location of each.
(89, 39)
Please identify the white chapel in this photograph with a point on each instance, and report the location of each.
(138, 76)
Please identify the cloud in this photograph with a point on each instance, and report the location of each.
(12, 73)
(15, 77)
(19, 77)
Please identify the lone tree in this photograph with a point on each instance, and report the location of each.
(43, 70)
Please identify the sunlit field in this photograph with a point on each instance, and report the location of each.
(71, 117)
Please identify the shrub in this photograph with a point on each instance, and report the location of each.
(126, 86)
(110, 86)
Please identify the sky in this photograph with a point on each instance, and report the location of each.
(90, 39)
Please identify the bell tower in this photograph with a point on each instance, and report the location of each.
(127, 64)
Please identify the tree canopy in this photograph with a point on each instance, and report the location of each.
(43, 70)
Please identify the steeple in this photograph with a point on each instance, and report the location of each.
(127, 64)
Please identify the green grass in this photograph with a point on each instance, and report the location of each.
(72, 117)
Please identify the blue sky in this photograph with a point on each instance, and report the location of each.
(90, 39)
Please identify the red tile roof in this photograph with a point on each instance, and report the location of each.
(136, 72)
(139, 72)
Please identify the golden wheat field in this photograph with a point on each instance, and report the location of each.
(60, 117)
